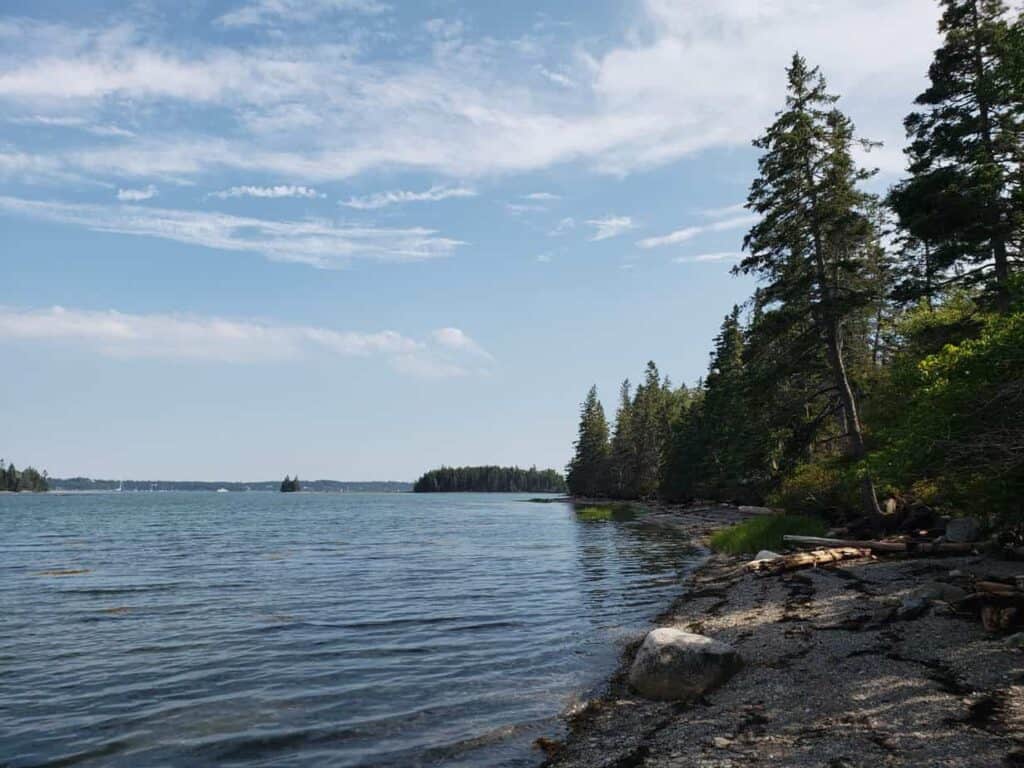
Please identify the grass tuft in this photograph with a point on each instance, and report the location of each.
(759, 533)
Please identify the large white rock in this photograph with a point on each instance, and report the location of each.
(673, 665)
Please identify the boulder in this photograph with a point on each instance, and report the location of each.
(962, 530)
(767, 554)
(673, 665)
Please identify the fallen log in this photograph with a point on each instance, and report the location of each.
(807, 559)
(914, 547)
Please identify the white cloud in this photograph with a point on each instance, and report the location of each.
(317, 243)
(565, 225)
(59, 121)
(456, 339)
(730, 211)
(281, 190)
(518, 209)
(611, 226)
(220, 340)
(685, 77)
(136, 195)
(689, 233)
(558, 78)
(547, 197)
(544, 258)
(706, 257)
(384, 199)
(295, 11)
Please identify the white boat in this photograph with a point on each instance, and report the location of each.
(222, 490)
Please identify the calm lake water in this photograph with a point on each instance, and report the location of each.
(261, 629)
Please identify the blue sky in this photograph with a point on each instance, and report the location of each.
(356, 239)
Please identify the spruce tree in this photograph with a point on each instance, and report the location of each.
(649, 428)
(963, 198)
(587, 473)
(815, 232)
(623, 449)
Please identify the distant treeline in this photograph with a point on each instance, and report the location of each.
(322, 486)
(490, 480)
(28, 479)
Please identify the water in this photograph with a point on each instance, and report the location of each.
(263, 629)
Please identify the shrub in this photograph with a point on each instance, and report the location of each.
(759, 533)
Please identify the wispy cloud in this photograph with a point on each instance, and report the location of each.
(79, 123)
(611, 226)
(281, 190)
(547, 197)
(457, 340)
(384, 199)
(689, 233)
(295, 11)
(137, 195)
(223, 340)
(564, 226)
(466, 106)
(318, 243)
(707, 257)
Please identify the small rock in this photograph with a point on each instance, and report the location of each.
(911, 608)
(956, 573)
(673, 665)
(938, 590)
(767, 554)
(721, 742)
(962, 530)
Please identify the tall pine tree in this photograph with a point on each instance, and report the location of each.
(963, 199)
(587, 473)
(815, 233)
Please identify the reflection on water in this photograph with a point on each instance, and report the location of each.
(285, 630)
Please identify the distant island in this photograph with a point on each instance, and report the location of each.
(271, 486)
(28, 480)
(290, 485)
(490, 480)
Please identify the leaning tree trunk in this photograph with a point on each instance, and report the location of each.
(856, 449)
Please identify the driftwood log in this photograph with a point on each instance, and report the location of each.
(807, 559)
(910, 547)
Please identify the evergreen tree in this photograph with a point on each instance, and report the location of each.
(587, 474)
(811, 243)
(963, 199)
(11, 481)
(724, 410)
(649, 424)
(622, 474)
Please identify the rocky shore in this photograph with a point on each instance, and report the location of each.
(857, 663)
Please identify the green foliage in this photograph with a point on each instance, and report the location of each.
(490, 479)
(290, 485)
(826, 487)
(959, 431)
(751, 536)
(28, 480)
(962, 201)
(587, 475)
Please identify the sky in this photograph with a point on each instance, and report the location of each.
(356, 239)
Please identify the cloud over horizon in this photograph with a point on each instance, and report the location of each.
(314, 242)
(177, 337)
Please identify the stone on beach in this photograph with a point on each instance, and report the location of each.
(962, 530)
(673, 665)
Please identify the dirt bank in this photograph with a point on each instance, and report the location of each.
(833, 678)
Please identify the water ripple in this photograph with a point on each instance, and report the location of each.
(349, 629)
